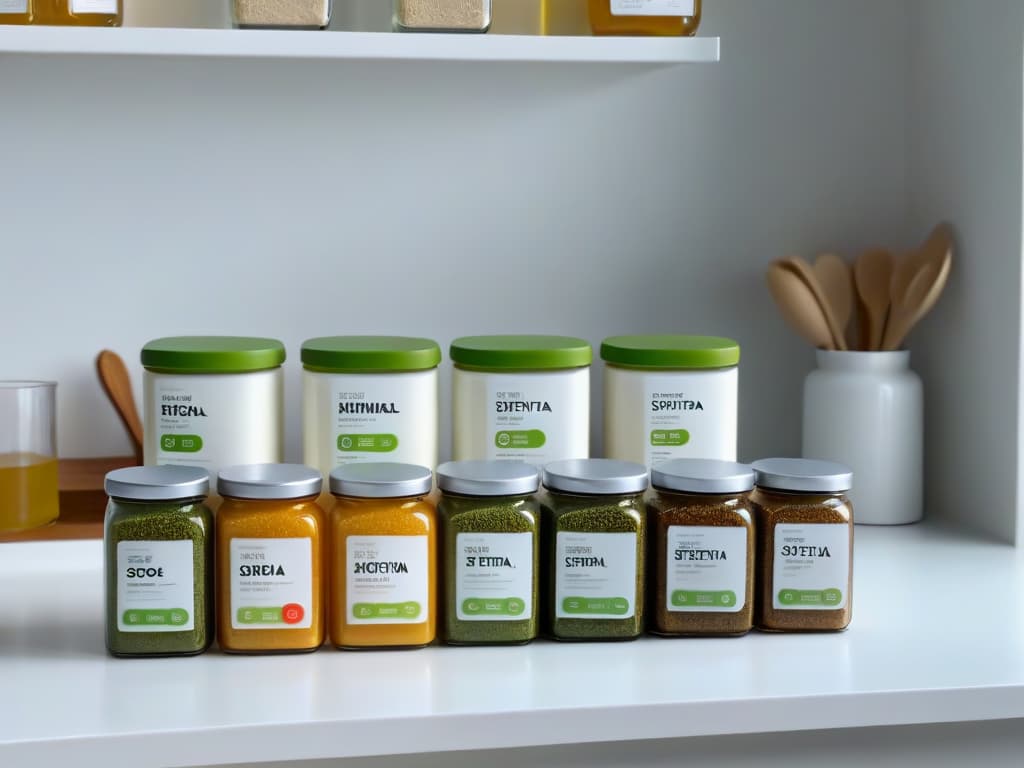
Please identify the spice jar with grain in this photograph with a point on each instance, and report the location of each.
(442, 15)
(282, 14)
(805, 545)
(594, 541)
(270, 534)
(490, 534)
(383, 542)
(700, 530)
(158, 562)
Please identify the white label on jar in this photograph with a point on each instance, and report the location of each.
(271, 583)
(691, 416)
(382, 418)
(494, 576)
(812, 566)
(155, 586)
(653, 7)
(387, 578)
(13, 6)
(532, 418)
(595, 575)
(94, 6)
(706, 569)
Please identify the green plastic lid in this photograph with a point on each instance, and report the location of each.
(212, 354)
(670, 351)
(365, 354)
(520, 353)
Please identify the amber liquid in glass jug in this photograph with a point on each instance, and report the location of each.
(79, 13)
(640, 17)
(16, 11)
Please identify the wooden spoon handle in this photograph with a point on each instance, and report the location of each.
(117, 384)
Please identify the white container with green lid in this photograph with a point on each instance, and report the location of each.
(670, 397)
(213, 401)
(369, 398)
(521, 397)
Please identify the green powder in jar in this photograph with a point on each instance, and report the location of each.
(158, 562)
(595, 539)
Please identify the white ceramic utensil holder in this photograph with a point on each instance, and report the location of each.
(866, 410)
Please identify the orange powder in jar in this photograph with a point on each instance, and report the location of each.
(383, 575)
(270, 559)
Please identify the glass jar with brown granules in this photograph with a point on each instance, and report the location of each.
(805, 545)
(701, 548)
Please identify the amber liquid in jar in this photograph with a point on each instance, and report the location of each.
(79, 13)
(777, 512)
(16, 11)
(634, 18)
(376, 538)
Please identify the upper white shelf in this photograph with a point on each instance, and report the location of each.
(232, 43)
(937, 636)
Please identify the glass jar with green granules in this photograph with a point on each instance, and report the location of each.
(158, 552)
(700, 533)
(490, 534)
(594, 532)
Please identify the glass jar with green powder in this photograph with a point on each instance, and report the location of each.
(490, 534)
(594, 531)
(158, 552)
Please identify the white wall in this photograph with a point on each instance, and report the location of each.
(141, 198)
(964, 143)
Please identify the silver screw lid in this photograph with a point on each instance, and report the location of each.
(708, 476)
(380, 480)
(803, 475)
(168, 482)
(595, 476)
(269, 481)
(488, 478)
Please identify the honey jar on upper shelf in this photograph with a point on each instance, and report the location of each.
(78, 13)
(644, 17)
(15, 11)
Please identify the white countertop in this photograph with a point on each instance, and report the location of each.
(937, 636)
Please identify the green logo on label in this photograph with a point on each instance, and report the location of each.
(490, 606)
(610, 606)
(169, 617)
(181, 443)
(397, 611)
(824, 598)
(368, 443)
(258, 615)
(664, 438)
(512, 439)
(682, 598)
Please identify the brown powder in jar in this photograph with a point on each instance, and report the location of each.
(667, 509)
(282, 13)
(772, 507)
(465, 15)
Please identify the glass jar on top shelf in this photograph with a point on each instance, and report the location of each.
(442, 15)
(645, 17)
(281, 14)
(15, 12)
(78, 13)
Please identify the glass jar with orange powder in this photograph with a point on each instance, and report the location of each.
(270, 559)
(383, 534)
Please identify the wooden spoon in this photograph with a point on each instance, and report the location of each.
(938, 243)
(836, 281)
(872, 274)
(804, 271)
(799, 307)
(922, 293)
(118, 385)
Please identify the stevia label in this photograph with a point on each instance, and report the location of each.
(386, 579)
(271, 583)
(155, 586)
(652, 7)
(706, 569)
(812, 566)
(531, 417)
(494, 576)
(595, 575)
(690, 417)
(13, 6)
(94, 6)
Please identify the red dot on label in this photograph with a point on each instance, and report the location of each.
(292, 613)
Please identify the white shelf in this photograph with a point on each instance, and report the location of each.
(232, 43)
(936, 637)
